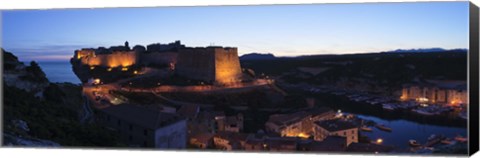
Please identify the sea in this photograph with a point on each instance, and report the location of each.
(59, 71)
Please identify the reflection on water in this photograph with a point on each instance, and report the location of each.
(403, 130)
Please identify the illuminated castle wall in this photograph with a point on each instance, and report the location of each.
(114, 59)
(212, 64)
(435, 94)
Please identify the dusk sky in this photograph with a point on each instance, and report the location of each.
(284, 30)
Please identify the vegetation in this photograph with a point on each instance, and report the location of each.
(54, 118)
(382, 69)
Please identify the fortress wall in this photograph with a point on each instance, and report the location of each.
(156, 58)
(83, 53)
(227, 65)
(114, 59)
(196, 63)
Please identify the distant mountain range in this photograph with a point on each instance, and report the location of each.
(257, 56)
(424, 50)
(270, 56)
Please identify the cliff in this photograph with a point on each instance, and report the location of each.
(38, 113)
(30, 78)
(205, 64)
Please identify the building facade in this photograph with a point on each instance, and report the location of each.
(324, 129)
(448, 93)
(141, 127)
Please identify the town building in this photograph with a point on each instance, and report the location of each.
(329, 144)
(230, 123)
(336, 127)
(437, 92)
(298, 124)
(202, 140)
(230, 140)
(142, 127)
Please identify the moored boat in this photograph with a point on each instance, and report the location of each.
(413, 143)
(366, 129)
(446, 141)
(459, 138)
(389, 107)
(383, 128)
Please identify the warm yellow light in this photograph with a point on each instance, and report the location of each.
(422, 100)
(124, 68)
(92, 67)
(379, 141)
(96, 81)
(109, 69)
(303, 135)
(135, 72)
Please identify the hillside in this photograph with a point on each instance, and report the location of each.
(39, 113)
(373, 70)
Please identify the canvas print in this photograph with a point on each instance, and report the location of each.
(375, 78)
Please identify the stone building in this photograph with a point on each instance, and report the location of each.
(437, 92)
(218, 65)
(211, 64)
(298, 124)
(337, 127)
(142, 127)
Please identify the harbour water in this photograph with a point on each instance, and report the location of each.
(404, 130)
(59, 71)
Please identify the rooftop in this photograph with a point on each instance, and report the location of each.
(335, 125)
(331, 143)
(368, 147)
(141, 116)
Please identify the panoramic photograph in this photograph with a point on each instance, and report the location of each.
(374, 78)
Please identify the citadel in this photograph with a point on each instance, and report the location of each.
(213, 64)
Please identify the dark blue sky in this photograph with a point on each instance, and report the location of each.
(285, 30)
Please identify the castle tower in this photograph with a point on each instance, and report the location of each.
(211, 64)
(126, 45)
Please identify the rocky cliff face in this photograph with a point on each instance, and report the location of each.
(26, 77)
(37, 113)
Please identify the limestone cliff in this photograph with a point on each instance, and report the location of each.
(29, 78)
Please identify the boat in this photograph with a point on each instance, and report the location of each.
(413, 143)
(423, 112)
(389, 107)
(459, 138)
(434, 139)
(446, 141)
(366, 129)
(383, 128)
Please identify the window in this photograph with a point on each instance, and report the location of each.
(353, 131)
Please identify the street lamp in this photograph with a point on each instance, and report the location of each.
(379, 141)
